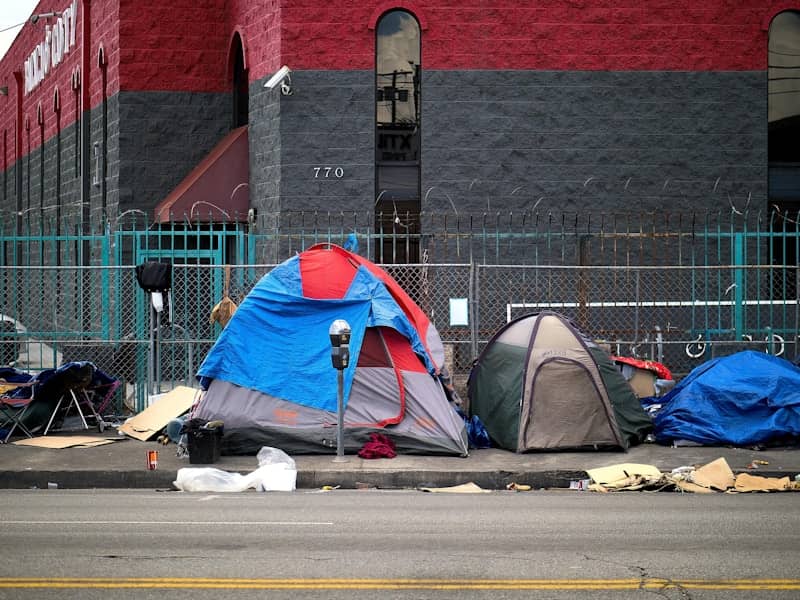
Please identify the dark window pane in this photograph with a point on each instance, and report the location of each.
(397, 137)
(784, 88)
(784, 148)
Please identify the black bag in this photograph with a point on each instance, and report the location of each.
(154, 276)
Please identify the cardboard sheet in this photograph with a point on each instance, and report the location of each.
(716, 474)
(64, 441)
(688, 486)
(643, 382)
(755, 483)
(148, 423)
(623, 474)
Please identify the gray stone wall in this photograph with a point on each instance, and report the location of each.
(146, 144)
(47, 189)
(578, 141)
(48, 193)
(328, 124)
(524, 140)
(264, 135)
(162, 136)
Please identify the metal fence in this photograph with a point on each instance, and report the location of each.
(676, 288)
(677, 315)
(496, 238)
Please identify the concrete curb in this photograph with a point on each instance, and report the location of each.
(381, 479)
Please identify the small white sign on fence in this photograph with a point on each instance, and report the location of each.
(459, 311)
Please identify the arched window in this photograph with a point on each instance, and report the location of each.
(784, 131)
(397, 137)
(241, 91)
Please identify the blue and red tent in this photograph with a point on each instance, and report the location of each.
(269, 376)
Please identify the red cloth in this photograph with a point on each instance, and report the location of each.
(656, 367)
(379, 446)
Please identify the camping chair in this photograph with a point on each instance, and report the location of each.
(98, 395)
(15, 395)
(52, 394)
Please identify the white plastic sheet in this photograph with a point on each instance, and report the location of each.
(276, 472)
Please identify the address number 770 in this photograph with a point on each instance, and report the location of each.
(328, 172)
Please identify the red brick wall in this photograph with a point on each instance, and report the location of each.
(554, 34)
(259, 24)
(183, 45)
(174, 45)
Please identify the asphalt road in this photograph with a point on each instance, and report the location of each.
(400, 544)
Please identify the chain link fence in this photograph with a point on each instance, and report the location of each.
(679, 316)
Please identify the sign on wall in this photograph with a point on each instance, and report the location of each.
(57, 43)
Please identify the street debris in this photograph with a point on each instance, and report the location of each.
(580, 484)
(464, 488)
(518, 487)
(276, 472)
(710, 478)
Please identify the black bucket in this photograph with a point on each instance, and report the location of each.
(204, 440)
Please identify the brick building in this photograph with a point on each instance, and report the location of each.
(111, 108)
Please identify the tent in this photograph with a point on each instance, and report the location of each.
(744, 399)
(541, 384)
(269, 377)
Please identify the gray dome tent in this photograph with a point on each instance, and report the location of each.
(541, 384)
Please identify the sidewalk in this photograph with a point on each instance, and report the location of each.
(123, 464)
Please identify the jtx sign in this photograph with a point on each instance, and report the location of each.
(51, 51)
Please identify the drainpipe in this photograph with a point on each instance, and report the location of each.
(18, 151)
(86, 120)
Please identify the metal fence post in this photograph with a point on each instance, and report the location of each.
(474, 309)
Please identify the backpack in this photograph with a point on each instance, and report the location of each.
(154, 276)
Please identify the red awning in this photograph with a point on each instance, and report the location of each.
(217, 189)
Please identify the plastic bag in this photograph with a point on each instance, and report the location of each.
(209, 479)
(477, 434)
(274, 456)
(276, 473)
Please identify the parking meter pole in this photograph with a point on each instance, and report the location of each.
(340, 420)
(339, 334)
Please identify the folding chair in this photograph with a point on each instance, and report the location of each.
(100, 393)
(16, 388)
(68, 388)
(52, 394)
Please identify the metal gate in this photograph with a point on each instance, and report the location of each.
(170, 356)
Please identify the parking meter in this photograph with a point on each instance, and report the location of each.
(339, 334)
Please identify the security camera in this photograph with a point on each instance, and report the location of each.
(282, 74)
(35, 17)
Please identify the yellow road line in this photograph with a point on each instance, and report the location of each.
(395, 584)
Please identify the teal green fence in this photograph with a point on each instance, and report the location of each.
(676, 288)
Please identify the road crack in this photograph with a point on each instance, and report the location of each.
(647, 581)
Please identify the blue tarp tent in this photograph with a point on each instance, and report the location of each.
(744, 399)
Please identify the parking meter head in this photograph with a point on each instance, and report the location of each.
(340, 357)
(339, 333)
